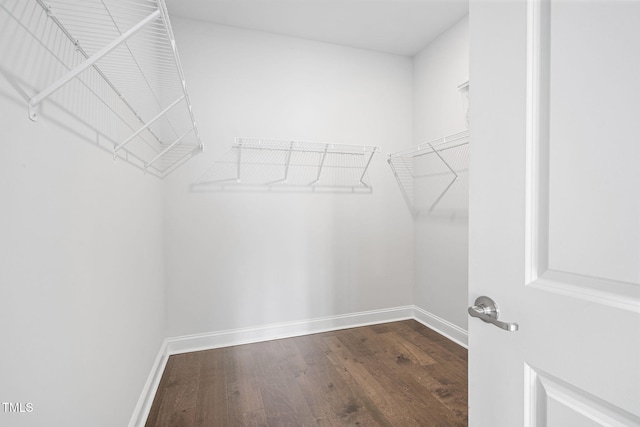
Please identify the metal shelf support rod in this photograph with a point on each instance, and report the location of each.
(239, 160)
(33, 102)
(166, 150)
(324, 155)
(286, 166)
(444, 161)
(146, 125)
(366, 167)
(434, 204)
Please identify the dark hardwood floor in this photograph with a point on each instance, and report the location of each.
(394, 374)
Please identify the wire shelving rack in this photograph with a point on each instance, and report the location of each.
(285, 165)
(111, 64)
(433, 177)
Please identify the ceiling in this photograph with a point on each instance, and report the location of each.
(401, 27)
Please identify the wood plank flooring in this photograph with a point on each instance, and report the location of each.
(394, 374)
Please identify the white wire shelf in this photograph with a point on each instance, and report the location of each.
(281, 165)
(433, 177)
(111, 64)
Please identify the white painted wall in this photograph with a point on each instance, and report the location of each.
(81, 277)
(246, 259)
(91, 250)
(441, 243)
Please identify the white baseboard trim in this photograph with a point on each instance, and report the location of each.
(207, 341)
(141, 411)
(441, 326)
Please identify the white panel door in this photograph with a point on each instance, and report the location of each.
(554, 213)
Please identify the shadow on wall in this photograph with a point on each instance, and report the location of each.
(56, 114)
(27, 62)
(257, 165)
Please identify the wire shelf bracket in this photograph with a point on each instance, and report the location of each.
(272, 165)
(124, 55)
(426, 173)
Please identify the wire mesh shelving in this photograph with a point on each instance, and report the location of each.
(111, 64)
(273, 165)
(433, 177)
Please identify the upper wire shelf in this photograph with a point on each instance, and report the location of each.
(113, 65)
(433, 177)
(272, 165)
